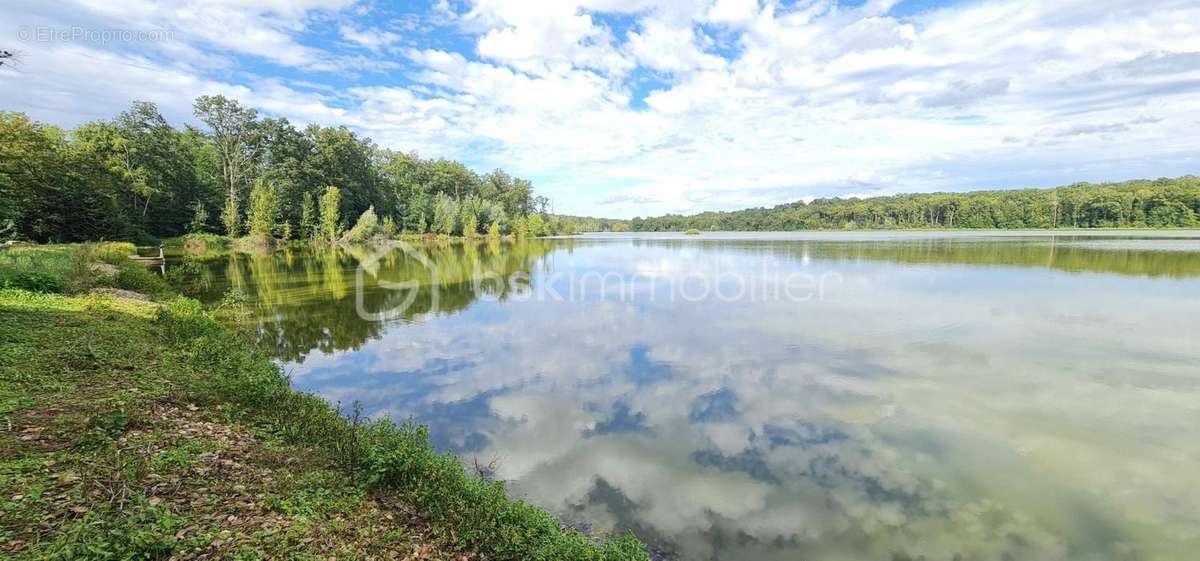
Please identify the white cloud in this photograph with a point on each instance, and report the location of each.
(732, 11)
(670, 106)
(844, 414)
(664, 47)
(263, 28)
(374, 39)
(541, 38)
(962, 93)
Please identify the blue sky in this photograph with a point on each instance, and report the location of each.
(637, 107)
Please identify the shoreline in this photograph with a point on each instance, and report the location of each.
(96, 380)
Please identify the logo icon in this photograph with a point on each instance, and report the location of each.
(411, 287)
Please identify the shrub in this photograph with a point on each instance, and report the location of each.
(103, 428)
(112, 423)
(184, 318)
(61, 268)
(520, 227)
(34, 281)
(204, 243)
(36, 268)
(83, 259)
(136, 277)
(308, 218)
(253, 243)
(365, 228)
(388, 228)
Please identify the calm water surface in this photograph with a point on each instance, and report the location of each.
(1013, 396)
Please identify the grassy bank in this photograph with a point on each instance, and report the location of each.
(147, 430)
(77, 268)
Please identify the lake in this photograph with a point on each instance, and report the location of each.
(819, 396)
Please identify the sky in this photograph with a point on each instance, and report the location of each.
(624, 108)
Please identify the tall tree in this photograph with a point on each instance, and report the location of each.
(445, 214)
(330, 218)
(341, 158)
(236, 136)
(308, 218)
(284, 162)
(264, 206)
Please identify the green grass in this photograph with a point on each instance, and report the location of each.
(102, 380)
(73, 269)
(116, 466)
(36, 268)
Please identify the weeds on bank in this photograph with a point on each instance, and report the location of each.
(69, 269)
(103, 458)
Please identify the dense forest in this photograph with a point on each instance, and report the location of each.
(1147, 203)
(137, 177)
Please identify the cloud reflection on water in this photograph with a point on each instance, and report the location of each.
(939, 402)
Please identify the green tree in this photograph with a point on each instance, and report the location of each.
(166, 181)
(33, 163)
(236, 138)
(330, 217)
(445, 214)
(536, 225)
(136, 177)
(470, 210)
(308, 218)
(451, 178)
(199, 221)
(339, 157)
(231, 218)
(286, 154)
(420, 213)
(403, 178)
(520, 227)
(264, 208)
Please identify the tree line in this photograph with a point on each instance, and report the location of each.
(1159, 203)
(136, 177)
